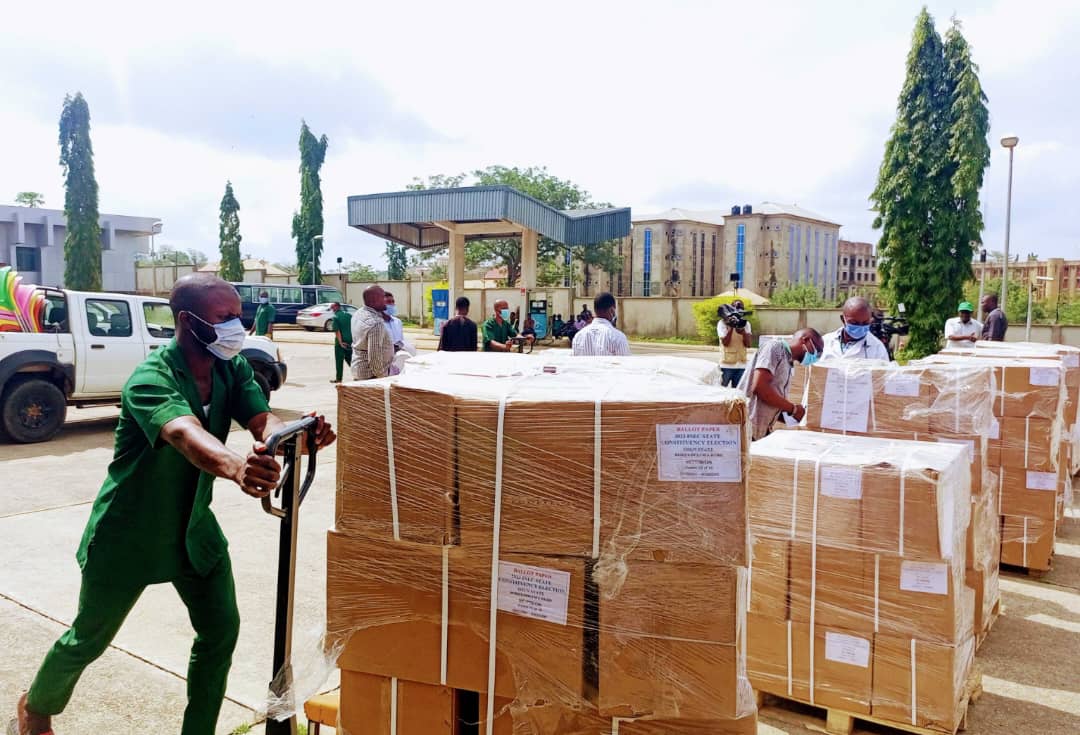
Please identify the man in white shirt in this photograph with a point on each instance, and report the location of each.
(734, 341)
(600, 337)
(393, 324)
(963, 328)
(853, 341)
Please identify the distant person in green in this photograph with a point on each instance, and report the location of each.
(264, 317)
(498, 332)
(342, 340)
(151, 522)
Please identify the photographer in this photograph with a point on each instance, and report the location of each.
(734, 332)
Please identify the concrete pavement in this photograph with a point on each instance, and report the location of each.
(1029, 660)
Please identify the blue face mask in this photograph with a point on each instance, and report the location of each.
(857, 331)
(505, 314)
(391, 309)
(809, 358)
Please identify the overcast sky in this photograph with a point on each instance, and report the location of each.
(644, 104)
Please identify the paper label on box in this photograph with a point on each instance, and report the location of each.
(995, 428)
(924, 576)
(1071, 359)
(1044, 376)
(1042, 480)
(846, 403)
(847, 649)
(902, 384)
(841, 482)
(699, 452)
(534, 592)
(969, 443)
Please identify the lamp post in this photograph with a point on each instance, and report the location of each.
(317, 237)
(982, 281)
(1031, 289)
(1010, 142)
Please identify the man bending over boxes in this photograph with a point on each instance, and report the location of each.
(766, 380)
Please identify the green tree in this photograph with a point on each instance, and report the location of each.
(397, 261)
(362, 273)
(168, 255)
(802, 296)
(82, 244)
(232, 268)
(1016, 309)
(925, 247)
(29, 199)
(308, 222)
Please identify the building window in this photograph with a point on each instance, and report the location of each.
(713, 278)
(646, 273)
(566, 269)
(701, 266)
(27, 259)
(740, 250)
(798, 253)
(817, 254)
(790, 252)
(873, 276)
(693, 267)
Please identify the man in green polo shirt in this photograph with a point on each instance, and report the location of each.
(498, 332)
(151, 522)
(264, 317)
(342, 339)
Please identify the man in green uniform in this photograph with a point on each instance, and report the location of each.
(264, 317)
(342, 339)
(151, 522)
(498, 332)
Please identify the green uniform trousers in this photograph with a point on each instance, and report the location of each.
(342, 356)
(104, 602)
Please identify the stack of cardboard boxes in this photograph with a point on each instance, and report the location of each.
(540, 551)
(857, 599)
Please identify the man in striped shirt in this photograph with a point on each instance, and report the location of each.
(601, 337)
(373, 352)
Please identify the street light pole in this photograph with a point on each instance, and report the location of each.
(317, 237)
(1009, 142)
(982, 282)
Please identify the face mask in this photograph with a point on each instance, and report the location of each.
(857, 331)
(264, 299)
(809, 358)
(391, 309)
(228, 339)
(505, 314)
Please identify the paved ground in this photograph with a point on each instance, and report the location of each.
(1030, 661)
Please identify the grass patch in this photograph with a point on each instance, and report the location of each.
(695, 341)
(241, 729)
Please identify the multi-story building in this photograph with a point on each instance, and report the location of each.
(32, 240)
(1064, 276)
(858, 269)
(700, 253)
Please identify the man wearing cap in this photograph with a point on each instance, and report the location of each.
(963, 328)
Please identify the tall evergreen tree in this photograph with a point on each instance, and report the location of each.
(397, 262)
(914, 197)
(82, 244)
(232, 268)
(308, 222)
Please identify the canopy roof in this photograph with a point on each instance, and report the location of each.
(422, 219)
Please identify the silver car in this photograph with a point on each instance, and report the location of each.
(320, 317)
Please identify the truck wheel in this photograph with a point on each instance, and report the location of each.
(33, 410)
(264, 384)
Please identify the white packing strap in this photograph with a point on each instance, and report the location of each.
(790, 689)
(1025, 544)
(873, 406)
(877, 589)
(596, 481)
(1027, 438)
(445, 613)
(390, 462)
(393, 705)
(914, 690)
(794, 498)
(903, 490)
(956, 407)
(1002, 391)
(493, 604)
(813, 569)
(843, 430)
(616, 721)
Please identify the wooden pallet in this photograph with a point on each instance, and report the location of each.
(1024, 571)
(980, 638)
(834, 721)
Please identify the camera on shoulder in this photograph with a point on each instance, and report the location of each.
(732, 316)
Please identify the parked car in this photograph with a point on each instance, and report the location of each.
(320, 317)
(90, 347)
(287, 300)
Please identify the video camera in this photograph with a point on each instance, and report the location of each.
(731, 316)
(884, 327)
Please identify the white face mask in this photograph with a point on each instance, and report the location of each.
(229, 339)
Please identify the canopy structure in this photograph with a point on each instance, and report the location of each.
(436, 218)
(747, 296)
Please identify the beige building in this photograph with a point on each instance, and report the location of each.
(700, 253)
(1064, 276)
(857, 269)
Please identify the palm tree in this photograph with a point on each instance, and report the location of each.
(29, 199)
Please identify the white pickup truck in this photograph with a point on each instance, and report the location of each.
(91, 345)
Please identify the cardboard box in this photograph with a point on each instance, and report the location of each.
(369, 704)
(840, 594)
(769, 575)
(646, 511)
(863, 398)
(1029, 389)
(385, 605)
(986, 584)
(939, 674)
(1027, 542)
(1031, 443)
(779, 656)
(961, 396)
(423, 454)
(1030, 492)
(924, 599)
(984, 532)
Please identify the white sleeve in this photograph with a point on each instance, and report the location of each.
(832, 346)
(623, 345)
(950, 328)
(722, 329)
(878, 351)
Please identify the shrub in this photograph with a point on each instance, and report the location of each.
(705, 313)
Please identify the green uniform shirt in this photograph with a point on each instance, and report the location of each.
(153, 511)
(264, 317)
(343, 325)
(493, 331)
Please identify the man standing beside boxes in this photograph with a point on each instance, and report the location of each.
(767, 379)
(853, 341)
(373, 352)
(963, 328)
